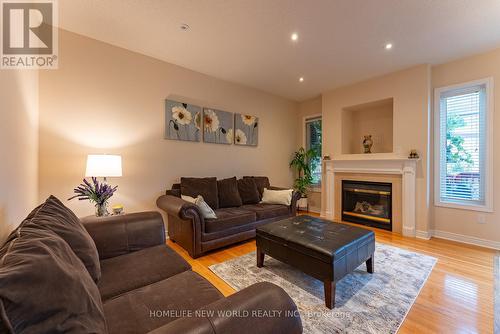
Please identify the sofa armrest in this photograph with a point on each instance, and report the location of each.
(262, 308)
(293, 206)
(178, 207)
(186, 224)
(122, 234)
(295, 197)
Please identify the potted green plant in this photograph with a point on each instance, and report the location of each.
(301, 164)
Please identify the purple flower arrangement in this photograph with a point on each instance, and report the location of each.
(96, 192)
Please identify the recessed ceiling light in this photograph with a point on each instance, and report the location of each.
(294, 37)
(388, 46)
(301, 79)
(184, 26)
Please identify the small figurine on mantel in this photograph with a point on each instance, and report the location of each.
(367, 144)
(413, 154)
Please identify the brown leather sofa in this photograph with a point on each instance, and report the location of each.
(235, 221)
(117, 275)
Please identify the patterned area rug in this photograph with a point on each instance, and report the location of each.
(365, 303)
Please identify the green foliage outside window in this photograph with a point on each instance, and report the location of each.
(456, 155)
(315, 161)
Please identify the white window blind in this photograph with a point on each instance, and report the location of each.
(313, 141)
(462, 151)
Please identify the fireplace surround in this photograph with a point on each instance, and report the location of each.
(376, 167)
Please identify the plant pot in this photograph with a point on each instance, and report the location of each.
(302, 204)
(101, 210)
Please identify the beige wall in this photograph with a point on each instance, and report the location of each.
(18, 147)
(410, 90)
(105, 99)
(465, 222)
(311, 107)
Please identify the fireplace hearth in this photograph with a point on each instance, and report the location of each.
(367, 203)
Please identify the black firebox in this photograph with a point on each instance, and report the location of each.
(367, 203)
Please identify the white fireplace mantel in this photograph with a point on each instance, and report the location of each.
(375, 164)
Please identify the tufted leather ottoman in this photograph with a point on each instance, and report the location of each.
(325, 250)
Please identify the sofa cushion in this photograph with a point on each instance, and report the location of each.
(248, 191)
(261, 182)
(229, 195)
(174, 192)
(265, 211)
(283, 197)
(155, 305)
(54, 216)
(45, 287)
(206, 187)
(228, 218)
(134, 270)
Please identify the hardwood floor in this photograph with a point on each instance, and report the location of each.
(458, 297)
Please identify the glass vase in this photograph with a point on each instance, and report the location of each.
(101, 210)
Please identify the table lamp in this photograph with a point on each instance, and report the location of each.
(103, 165)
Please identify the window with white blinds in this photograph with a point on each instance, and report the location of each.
(313, 133)
(463, 145)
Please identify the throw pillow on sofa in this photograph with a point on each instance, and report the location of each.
(205, 209)
(283, 197)
(261, 182)
(248, 191)
(228, 193)
(53, 215)
(206, 187)
(45, 286)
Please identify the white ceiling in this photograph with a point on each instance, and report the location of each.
(248, 41)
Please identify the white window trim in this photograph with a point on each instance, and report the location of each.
(317, 186)
(488, 191)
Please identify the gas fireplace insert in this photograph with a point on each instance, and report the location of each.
(367, 203)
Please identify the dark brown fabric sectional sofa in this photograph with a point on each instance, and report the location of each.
(60, 274)
(238, 212)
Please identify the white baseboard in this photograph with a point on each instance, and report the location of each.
(423, 235)
(466, 239)
(408, 232)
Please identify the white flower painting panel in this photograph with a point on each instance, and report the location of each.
(246, 130)
(217, 126)
(182, 121)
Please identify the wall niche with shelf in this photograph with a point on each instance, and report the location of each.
(373, 118)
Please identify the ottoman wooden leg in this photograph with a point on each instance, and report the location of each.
(329, 294)
(260, 258)
(370, 264)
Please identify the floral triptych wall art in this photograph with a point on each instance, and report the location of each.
(246, 130)
(183, 121)
(217, 126)
(188, 122)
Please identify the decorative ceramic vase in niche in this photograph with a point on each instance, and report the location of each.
(367, 144)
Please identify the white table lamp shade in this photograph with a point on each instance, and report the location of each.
(103, 165)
